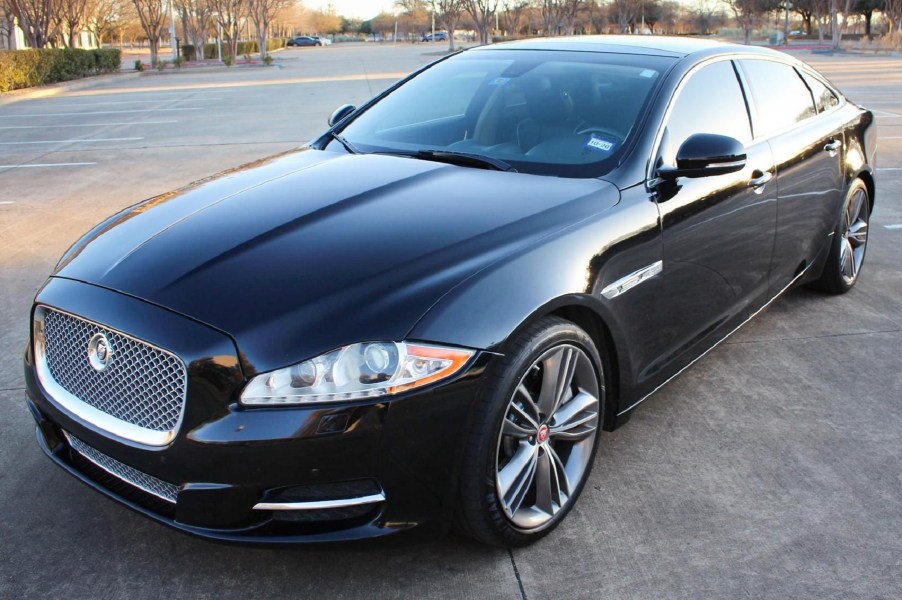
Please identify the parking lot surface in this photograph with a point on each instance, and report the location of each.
(771, 469)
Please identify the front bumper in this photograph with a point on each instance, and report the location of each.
(234, 471)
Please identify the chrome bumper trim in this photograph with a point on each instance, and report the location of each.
(321, 504)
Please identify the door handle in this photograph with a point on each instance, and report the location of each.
(832, 147)
(760, 180)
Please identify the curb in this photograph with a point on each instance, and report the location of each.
(45, 91)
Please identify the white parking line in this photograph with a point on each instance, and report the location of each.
(79, 164)
(894, 226)
(890, 138)
(7, 202)
(86, 125)
(889, 168)
(99, 112)
(125, 139)
(157, 101)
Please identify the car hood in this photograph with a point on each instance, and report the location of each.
(304, 252)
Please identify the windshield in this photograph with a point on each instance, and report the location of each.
(545, 112)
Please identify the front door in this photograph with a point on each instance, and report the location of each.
(718, 231)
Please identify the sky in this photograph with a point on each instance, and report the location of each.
(361, 9)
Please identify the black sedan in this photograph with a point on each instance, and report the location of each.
(427, 315)
(304, 40)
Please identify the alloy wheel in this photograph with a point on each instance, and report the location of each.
(855, 235)
(547, 436)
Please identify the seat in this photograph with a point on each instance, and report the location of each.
(551, 114)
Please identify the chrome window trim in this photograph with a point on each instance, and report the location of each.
(321, 504)
(799, 69)
(659, 134)
(85, 412)
(746, 90)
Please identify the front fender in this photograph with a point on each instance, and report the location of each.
(568, 269)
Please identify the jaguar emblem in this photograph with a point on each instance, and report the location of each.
(99, 351)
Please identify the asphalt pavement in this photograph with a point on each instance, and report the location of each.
(771, 469)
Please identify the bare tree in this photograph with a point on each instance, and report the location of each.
(748, 12)
(152, 16)
(482, 12)
(196, 18)
(623, 13)
(551, 16)
(103, 17)
(229, 13)
(569, 13)
(511, 15)
(262, 13)
(35, 19)
(449, 13)
(893, 14)
(70, 14)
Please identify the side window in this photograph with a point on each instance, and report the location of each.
(824, 97)
(781, 97)
(710, 102)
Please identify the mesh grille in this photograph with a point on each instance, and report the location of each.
(142, 384)
(148, 483)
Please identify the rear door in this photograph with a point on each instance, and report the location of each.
(718, 231)
(807, 142)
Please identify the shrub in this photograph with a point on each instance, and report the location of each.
(139, 65)
(28, 68)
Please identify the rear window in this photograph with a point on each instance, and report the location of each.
(824, 98)
(781, 97)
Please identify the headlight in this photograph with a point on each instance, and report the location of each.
(356, 372)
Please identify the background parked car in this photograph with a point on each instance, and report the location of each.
(440, 36)
(304, 40)
(324, 41)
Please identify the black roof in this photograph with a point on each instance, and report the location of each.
(628, 44)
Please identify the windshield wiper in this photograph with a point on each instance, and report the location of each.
(347, 145)
(465, 159)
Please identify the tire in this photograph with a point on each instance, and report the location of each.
(534, 436)
(849, 243)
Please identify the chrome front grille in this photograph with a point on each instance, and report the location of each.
(148, 483)
(141, 386)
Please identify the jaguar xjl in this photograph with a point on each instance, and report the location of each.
(427, 316)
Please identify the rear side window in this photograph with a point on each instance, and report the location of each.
(710, 102)
(824, 97)
(781, 97)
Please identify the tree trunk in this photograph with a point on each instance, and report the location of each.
(451, 39)
(154, 45)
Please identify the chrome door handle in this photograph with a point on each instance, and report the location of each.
(832, 147)
(757, 182)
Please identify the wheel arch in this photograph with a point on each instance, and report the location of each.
(867, 177)
(588, 313)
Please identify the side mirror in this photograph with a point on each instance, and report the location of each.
(706, 154)
(340, 113)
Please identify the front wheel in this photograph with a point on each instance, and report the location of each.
(849, 243)
(534, 437)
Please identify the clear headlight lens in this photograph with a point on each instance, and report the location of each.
(356, 372)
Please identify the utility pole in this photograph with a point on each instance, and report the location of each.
(172, 42)
(786, 23)
(432, 39)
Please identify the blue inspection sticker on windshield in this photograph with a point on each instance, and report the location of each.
(601, 145)
(500, 81)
